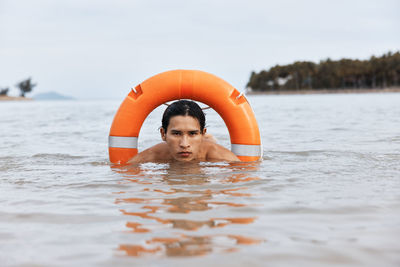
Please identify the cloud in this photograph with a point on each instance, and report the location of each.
(101, 48)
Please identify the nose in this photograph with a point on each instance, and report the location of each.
(184, 142)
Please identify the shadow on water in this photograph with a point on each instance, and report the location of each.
(186, 209)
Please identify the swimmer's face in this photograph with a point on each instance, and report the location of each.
(183, 137)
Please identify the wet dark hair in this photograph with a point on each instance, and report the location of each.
(183, 108)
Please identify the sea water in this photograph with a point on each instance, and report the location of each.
(326, 193)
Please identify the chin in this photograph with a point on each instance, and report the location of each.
(185, 159)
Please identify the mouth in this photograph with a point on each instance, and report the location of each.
(184, 154)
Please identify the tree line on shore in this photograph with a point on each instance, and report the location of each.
(24, 86)
(377, 72)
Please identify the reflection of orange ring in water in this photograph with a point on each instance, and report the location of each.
(185, 84)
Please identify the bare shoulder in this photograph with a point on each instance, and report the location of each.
(155, 153)
(215, 151)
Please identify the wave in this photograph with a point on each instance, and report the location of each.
(56, 156)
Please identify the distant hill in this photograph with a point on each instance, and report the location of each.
(52, 96)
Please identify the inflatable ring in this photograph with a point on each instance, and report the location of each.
(200, 86)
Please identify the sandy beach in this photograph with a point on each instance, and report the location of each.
(14, 98)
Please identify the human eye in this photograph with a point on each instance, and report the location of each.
(193, 133)
(176, 132)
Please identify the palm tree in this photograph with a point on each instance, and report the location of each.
(25, 86)
(4, 91)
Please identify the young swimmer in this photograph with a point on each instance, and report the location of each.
(184, 134)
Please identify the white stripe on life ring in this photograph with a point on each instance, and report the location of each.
(122, 142)
(246, 150)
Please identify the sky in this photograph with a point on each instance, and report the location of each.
(100, 49)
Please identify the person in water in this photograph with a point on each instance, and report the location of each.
(185, 139)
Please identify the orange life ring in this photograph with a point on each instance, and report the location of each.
(184, 84)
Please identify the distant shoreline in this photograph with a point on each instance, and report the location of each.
(14, 98)
(281, 92)
(327, 91)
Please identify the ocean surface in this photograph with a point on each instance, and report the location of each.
(327, 192)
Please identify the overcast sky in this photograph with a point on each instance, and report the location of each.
(99, 48)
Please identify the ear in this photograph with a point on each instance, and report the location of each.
(162, 132)
(204, 130)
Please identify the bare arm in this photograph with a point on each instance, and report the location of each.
(155, 153)
(216, 152)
